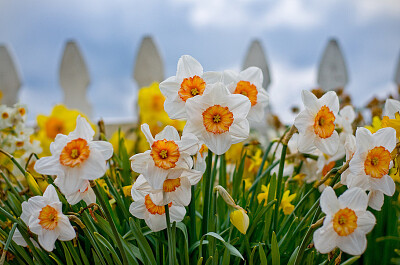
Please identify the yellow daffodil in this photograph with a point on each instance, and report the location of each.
(376, 125)
(127, 190)
(240, 220)
(286, 205)
(114, 140)
(263, 195)
(394, 123)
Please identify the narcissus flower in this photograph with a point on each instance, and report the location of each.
(369, 167)
(392, 106)
(218, 118)
(316, 124)
(189, 82)
(75, 158)
(43, 216)
(168, 157)
(346, 223)
(249, 83)
(240, 220)
(154, 214)
(345, 119)
(84, 193)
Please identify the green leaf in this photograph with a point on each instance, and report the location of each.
(231, 248)
(263, 258)
(351, 260)
(67, 254)
(142, 242)
(275, 250)
(107, 244)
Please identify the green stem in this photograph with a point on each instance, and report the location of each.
(110, 220)
(207, 194)
(192, 213)
(278, 185)
(171, 243)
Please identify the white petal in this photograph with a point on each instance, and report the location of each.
(156, 222)
(185, 161)
(305, 142)
(169, 88)
(138, 209)
(329, 145)
(90, 197)
(361, 181)
(354, 198)
(239, 131)
(348, 114)
(212, 77)
(365, 221)
(329, 202)
(217, 143)
(252, 74)
(385, 137)
(82, 130)
(50, 194)
(147, 133)
(187, 67)
(364, 139)
(375, 199)
(140, 188)
(156, 176)
(238, 104)
(65, 229)
(176, 109)
(194, 176)
(331, 100)
(71, 182)
(182, 195)
(391, 107)
(189, 143)
(256, 113)
(105, 148)
(384, 184)
(325, 239)
(19, 239)
(353, 244)
(304, 121)
(59, 142)
(139, 161)
(49, 165)
(47, 239)
(169, 133)
(94, 167)
(343, 177)
(310, 101)
(177, 213)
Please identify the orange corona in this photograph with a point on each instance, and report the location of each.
(377, 162)
(165, 153)
(171, 184)
(247, 89)
(217, 119)
(345, 222)
(324, 122)
(48, 217)
(152, 208)
(54, 126)
(5, 115)
(75, 153)
(191, 86)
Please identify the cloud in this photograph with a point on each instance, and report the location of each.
(367, 10)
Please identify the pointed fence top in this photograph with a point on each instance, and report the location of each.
(332, 71)
(149, 65)
(9, 78)
(74, 79)
(256, 57)
(397, 73)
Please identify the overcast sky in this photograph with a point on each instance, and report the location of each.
(216, 32)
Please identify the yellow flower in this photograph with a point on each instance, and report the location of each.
(394, 123)
(263, 195)
(127, 190)
(240, 220)
(247, 183)
(376, 125)
(114, 140)
(394, 172)
(299, 177)
(286, 205)
(61, 120)
(256, 161)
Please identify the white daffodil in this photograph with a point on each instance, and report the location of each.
(346, 223)
(345, 119)
(249, 83)
(154, 214)
(369, 167)
(75, 158)
(84, 193)
(168, 157)
(176, 190)
(43, 216)
(5, 116)
(189, 82)
(392, 106)
(19, 113)
(316, 124)
(350, 146)
(218, 118)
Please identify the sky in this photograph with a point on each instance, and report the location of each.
(217, 33)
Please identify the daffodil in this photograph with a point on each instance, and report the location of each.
(84, 193)
(376, 125)
(393, 123)
(218, 118)
(5, 117)
(263, 195)
(114, 140)
(249, 83)
(316, 124)
(61, 120)
(369, 167)
(345, 119)
(189, 82)
(346, 223)
(286, 204)
(392, 106)
(168, 157)
(240, 220)
(43, 216)
(75, 158)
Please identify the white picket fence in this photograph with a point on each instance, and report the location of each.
(149, 67)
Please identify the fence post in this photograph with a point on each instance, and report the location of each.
(149, 65)
(74, 79)
(332, 70)
(256, 57)
(9, 78)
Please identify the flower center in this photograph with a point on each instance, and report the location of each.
(152, 208)
(165, 153)
(324, 122)
(345, 222)
(5, 115)
(247, 89)
(171, 184)
(19, 143)
(54, 126)
(158, 103)
(75, 153)
(377, 162)
(217, 119)
(48, 217)
(191, 86)
(22, 111)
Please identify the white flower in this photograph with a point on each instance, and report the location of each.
(392, 106)
(20, 240)
(218, 118)
(154, 214)
(371, 162)
(249, 83)
(316, 123)
(345, 119)
(189, 82)
(19, 113)
(85, 193)
(43, 215)
(5, 116)
(168, 157)
(350, 148)
(76, 158)
(346, 223)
